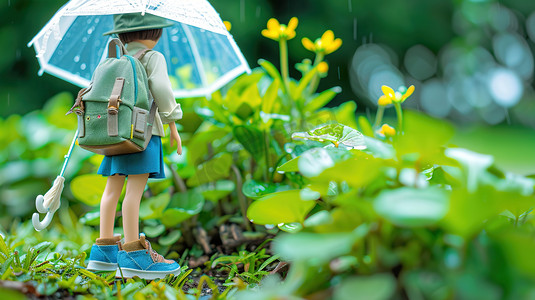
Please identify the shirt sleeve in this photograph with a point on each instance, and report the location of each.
(160, 87)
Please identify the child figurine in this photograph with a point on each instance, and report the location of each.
(135, 256)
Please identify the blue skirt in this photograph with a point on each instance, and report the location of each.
(148, 161)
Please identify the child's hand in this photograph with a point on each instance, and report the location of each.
(174, 137)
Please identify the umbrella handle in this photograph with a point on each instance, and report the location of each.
(37, 224)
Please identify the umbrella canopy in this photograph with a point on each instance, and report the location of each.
(201, 54)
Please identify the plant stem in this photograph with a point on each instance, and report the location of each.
(316, 80)
(283, 46)
(379, 116)
(399, 114)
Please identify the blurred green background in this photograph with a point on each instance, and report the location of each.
(470, 60)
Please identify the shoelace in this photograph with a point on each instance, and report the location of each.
(155, 256)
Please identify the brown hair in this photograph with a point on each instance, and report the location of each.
(149, 34)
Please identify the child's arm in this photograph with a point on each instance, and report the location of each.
(173, 136)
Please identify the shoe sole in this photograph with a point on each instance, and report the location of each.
(95, 265)
(148, 275)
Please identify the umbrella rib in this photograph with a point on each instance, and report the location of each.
(196, 54)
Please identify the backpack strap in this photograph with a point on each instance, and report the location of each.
(115, 45)
(152, 113)
(150, 121)
(141, 53)
(113, 107)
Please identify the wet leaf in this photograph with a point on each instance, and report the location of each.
(252, 139)
(170, 238)
(215, 191)
(337, 134)
(212, 170)
(410, 207)
(88, 188)
(317, 248)
(182, 207)
(290, 227)
(279, 207)
(314, 161)
(374, 287)
(153, 207)
(256, 189)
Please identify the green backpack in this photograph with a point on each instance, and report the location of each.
(116, 112)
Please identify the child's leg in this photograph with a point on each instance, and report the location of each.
(108, 205)
(135, 186)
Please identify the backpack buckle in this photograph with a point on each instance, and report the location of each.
(112, 109)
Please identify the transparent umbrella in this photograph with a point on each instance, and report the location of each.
(201, 54)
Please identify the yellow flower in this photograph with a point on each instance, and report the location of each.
(277, 31)
(323, 67)
(387, 130)
(384, 100)
(326, 44)
(398, 96)
(228, 25)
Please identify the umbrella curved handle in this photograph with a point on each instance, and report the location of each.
(37, 224)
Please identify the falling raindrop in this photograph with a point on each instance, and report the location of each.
(338, 73)
(242, 11)
(507, 119)
(258, 10)
(355, 29)
(8, 98)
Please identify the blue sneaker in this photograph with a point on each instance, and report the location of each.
(103, 255)
(143, 262)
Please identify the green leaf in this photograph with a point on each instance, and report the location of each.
(3, 246)
(357, 171)
(252, 139)
(289, 166)
(153, 207)
(214, 192)
(303, 83)
(256, 189)
(212, 170)
(475, 165)
(170, 238)
(365, 126)
(270, 69)
(88, 188)
(91, 218)
(424, 136)
(154, 231)
(200, 141)
(322, 99)
(410, 207)
(337, 134)
(345, 113)
(379, 148)
(374, 287)
(280, 207)
(317, 248)
(290, 227)
(320, 218)
(270, 96)
(314, 161)
(182, 207)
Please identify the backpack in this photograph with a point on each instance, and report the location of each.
(116, 112)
